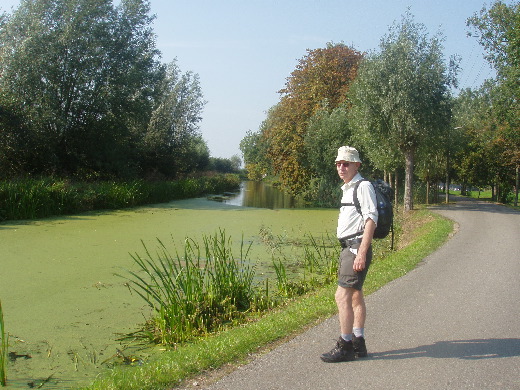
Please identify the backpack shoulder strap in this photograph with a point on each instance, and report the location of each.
(356, 199)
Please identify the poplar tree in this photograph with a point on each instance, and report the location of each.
(401, 99)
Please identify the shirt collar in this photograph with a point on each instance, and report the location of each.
(352, 182)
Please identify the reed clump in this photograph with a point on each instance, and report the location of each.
(3, 349)
(205, 288)
(195, 292)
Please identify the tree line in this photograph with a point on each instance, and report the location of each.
(84, 94)
(398, 107)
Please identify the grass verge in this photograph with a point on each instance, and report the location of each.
(235, 345)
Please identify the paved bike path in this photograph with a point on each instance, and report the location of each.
(452, 323)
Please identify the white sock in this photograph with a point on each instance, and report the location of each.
(359, 332)
(347, 337)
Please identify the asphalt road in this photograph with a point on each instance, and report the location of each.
(452, 323)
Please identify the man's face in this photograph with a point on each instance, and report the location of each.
(347, 170)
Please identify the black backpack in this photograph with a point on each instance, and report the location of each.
(384, 197)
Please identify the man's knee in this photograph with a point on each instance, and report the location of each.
(344, 295)
(357, 297)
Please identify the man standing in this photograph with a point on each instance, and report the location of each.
(355, 232)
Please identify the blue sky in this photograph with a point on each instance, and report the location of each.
(243, 50)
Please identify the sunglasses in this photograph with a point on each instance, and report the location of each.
(344, 164)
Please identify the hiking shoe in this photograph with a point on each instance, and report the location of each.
(342, 352)
(360, 348)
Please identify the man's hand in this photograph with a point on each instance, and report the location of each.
(359, 262)
(361, 257)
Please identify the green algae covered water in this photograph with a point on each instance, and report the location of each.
(65, 307)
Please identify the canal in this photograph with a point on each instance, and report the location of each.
(65, 303)
(259, 194)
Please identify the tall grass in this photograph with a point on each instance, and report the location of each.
(281, 277)
(321, 258)
(193, 293)
(3, 349)
(319, 265)
(206, 287)
(30, 198)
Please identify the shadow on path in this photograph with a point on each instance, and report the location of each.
(458, 349)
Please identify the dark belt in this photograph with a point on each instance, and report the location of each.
(348, 243)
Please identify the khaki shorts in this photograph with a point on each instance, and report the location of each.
(347, 277)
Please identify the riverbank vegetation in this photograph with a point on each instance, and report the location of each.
(193, 293)
(39, 198)
(206, 287)
(422, 232)
(108, 108)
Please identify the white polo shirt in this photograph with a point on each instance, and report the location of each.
(349, 220)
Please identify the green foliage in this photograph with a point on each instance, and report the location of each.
(488, 154)
(225, 165)
(401, 100)
(498, 31)
(320, 80)
(327, 130)
(472, 113)
(173, 126)
(254, 147)
(82, 93)
(38, 198)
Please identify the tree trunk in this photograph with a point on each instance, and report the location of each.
(396, 186)
(447, 185)
(517, 182)
(427, 191)
(408, 180)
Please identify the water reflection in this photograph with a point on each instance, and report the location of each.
(262, 195)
